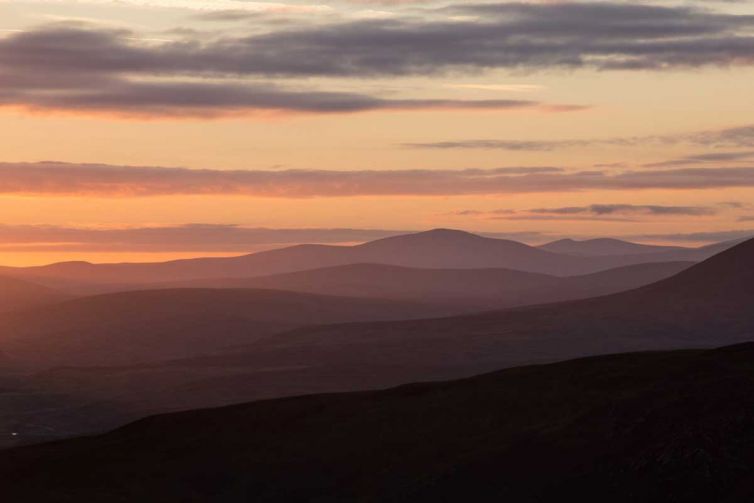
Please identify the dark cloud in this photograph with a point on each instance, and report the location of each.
(600, 35)
(70, 66)
(473, 213)
(569, 218)
(593, 212)
(202, 99)
(512, 145)
(209, 99)
(466, 213)
(704, 159)
(229, 15)
(627, 209)
(73, 69)
(51, 178)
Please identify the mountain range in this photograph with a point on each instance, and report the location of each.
(706, 305)
(436, 249)
(458, 289)
(606, 247)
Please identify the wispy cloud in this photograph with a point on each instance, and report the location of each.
(180, 238)
(505, 88)
(125, 181)
(594, 212)
(738, 137)
(714, 157)
(628, 209)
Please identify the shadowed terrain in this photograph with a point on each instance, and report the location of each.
(686, 310)
(651, 427)
(142, 326)
(459, 289)
(18, 294)
(705, 306)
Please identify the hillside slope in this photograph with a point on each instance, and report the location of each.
(674, 313)
(479, 289)
(18, 294)
(153, 325)
(650, 427)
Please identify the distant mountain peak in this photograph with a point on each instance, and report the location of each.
(433, 236)
(589, 241)
(602, 247)
(450, 233)
(71, 263)
(607, 240)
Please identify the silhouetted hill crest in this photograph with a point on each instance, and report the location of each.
(650, 427)
(728, 276)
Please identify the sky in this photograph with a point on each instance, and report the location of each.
(137, 130)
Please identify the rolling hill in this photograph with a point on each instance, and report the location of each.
(651, 427)
(475, 289)
(686, 310)
(615, 280)
(18, 294)
(605, 247)
(436, 249)
(143, 326)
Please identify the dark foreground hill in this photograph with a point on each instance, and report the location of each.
(645, 427)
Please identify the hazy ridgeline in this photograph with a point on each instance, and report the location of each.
(75, 363)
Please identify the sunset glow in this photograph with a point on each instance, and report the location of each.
(533, 120)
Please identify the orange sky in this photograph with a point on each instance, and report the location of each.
(283, 127)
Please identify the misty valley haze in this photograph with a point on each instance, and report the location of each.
(80, 364)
